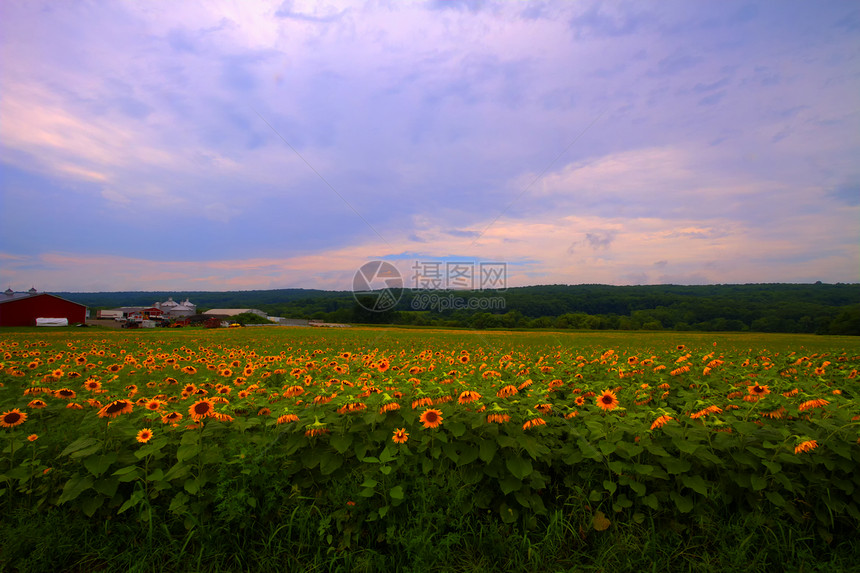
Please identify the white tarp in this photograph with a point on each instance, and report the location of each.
(52, 322)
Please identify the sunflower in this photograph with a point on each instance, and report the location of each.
(422, 402)
(607, 400)
(92, 385)
(498, 418)
(263, 412)
(712, 409)
(200, 409)
(806, 446)
(389, 407)
(189, 370)
(37, 404)
(12, 418)
(507, 391)
(171, 417)
(65, 393)
(144, 435)
(286, 418)
(153, 405)
(757, 390)
(400, 436)
(33, 437)
(811, 404)
(313, 432)
(468, 396)
(533, 423)
(431, 418)
(116, 408)
(661, 421)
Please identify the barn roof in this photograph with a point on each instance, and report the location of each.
(6, 297)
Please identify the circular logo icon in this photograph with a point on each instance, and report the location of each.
(377, 286)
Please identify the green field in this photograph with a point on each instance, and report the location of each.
(374, 449)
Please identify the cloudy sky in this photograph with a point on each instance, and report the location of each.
(255, 145)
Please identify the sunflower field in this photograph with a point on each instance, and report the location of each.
(248, 449)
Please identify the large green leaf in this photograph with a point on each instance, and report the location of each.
(695, 483)
(519, 467)
(487, 450)
(75, 486)
(341, 442)
(98, 464)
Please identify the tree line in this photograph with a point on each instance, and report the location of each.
(793, 308)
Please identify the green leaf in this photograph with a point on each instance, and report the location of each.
(84, 443)
(510, 484)
(360, 449)
(487, 450)
(341, 442)
(396, 492)
(97, 465)
(329, 462)
(684, 504)
(451, 451)
(519, 467)
(657, 450)
(617, 467)
(610, 486)
(135, 498)
(106, 486)
(508, 514)
(637, 487)
(191, 486)
(651, 501)
(457, 429)
(676, 465)
(74, 487)
(695, 483)
(91, 504)
(606, 447)
(643, 469)
(758, 482)
(369, 482)
(152, 447)
(386, 456)
(775, 498)
(468, 454)
(772, 466)
(588, 450)
(685, 446)
(187, 451)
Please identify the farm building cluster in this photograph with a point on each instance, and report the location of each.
(172, 313)
(33, 308)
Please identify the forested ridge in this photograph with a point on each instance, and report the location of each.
(808, 308)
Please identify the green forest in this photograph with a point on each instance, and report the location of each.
(796, 308)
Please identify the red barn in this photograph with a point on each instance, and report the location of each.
(22, 309)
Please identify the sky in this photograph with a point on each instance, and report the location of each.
(259, 145)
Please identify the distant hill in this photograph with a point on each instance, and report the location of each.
(779, 307)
